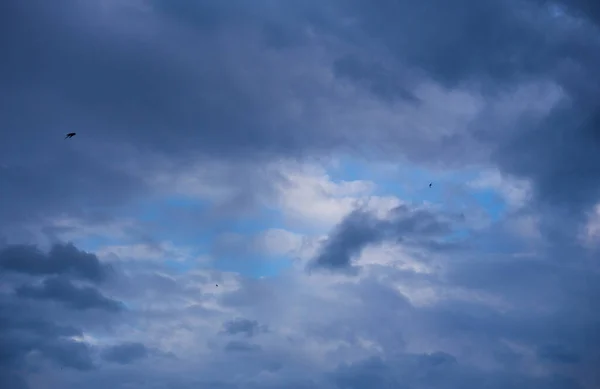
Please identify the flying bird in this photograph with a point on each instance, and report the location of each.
(70, 135)
(431, 183)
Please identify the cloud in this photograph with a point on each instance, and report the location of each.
(585, 8)
(379, 80)
(496, 43)
(63, 290)
(361, 228)
(439, 370)
(26, 336)
(125, 353)
(247, 327)
(323, 326)
(62, 258)
(558, 354)
(241, 346)
(207, 130)
(34, 331)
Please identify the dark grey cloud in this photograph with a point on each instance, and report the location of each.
(61, 259)
(77, 355)
(436, 370)
(362, 228)
(454, 43)
(189, 99)
(563, 300)
(375, 77)
(24, 331)
(376, 312)
(11, 380)
(497, 44)
(545, 305)
(176, 88)
(557, 354)
(247, 327)
(217, 79)
(44, 98)
(33, 329)
(241, 346)
(125, 353)
(584, 8)
(479, 41)
(347, 241)
(559, 156)
(64, 291)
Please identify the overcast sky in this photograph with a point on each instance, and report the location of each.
(247, 201)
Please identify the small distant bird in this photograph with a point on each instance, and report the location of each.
(217, 285)
(70, 135)
(431, 183)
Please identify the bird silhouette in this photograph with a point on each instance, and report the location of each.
(70, 135)
(431, 183)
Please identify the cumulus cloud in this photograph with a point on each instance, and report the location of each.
(61, 259)
(361, 228)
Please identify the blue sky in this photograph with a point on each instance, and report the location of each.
(407, 182)
(246, 203)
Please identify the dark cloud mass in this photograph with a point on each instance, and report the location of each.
(34, 331)
(61, 259)
(212, 100)
(125, 353)
(435, 370)
(63, 290)
(247, 327)
(361, 229)
(27, 336)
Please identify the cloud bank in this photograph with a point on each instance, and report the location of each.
(247, 205)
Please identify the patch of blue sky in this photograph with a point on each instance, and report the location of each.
(182, 219)
(406, 181)
(199, 234)
(492, 202)
(411, 183)
(253, 265)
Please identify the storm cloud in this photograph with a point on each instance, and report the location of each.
(224, 148)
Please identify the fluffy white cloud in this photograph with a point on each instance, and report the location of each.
(516, 192)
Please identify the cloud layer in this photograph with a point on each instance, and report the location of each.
(246, 203)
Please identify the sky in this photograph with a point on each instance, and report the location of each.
(247, 201)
